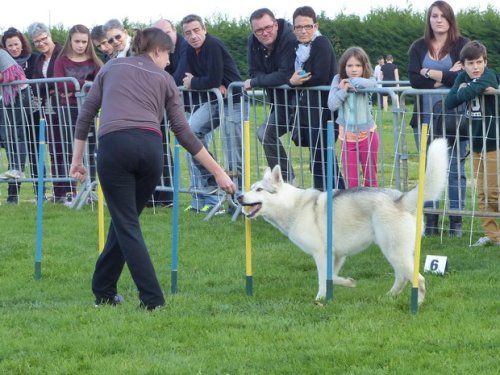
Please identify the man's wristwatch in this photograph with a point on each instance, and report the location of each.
(426, 75)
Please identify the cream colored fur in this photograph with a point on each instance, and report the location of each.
(361, 217)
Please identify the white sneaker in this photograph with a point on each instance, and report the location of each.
(207, 208)
(14, 173)
(68, 202)
(483, 241)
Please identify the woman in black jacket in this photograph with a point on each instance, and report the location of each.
(19, 48)
(315, 65)
(434, 63)
(40, 35)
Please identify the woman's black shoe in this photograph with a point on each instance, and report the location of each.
(115, 300)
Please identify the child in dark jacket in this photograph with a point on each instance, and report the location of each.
(470, 85)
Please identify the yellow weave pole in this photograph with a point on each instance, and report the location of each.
(420, 204)
(248, 224)
(100, 202)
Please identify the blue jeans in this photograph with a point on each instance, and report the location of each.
(202, 122)
(457, 180)
(14, 121)
(14, 124)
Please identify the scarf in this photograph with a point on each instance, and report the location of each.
(124, 52)
(11, 71)
(21, 60)
(303, 52)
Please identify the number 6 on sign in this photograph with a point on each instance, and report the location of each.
(436, 264)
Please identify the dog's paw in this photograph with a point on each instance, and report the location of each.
(345, 281)
(351, 283)
(321, 297)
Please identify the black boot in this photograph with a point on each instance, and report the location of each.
(431, 224)
(13, 192)
(455, 226)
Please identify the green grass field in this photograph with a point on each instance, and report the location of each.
(211, 326)
(50, 326)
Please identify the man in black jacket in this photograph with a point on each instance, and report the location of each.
(271, 56)
(211, 66)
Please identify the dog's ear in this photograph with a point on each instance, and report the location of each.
(267, 173)
(277, 178)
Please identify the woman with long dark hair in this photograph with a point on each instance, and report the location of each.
(77, 59)
(434, 62)
(18, 46)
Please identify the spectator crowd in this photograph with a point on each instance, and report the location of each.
(279, 52)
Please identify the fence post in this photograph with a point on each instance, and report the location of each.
(420, 204)
(329, 218)
(40, 196)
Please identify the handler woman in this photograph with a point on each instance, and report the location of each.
(133, 93)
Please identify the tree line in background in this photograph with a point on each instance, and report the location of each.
(381, 32)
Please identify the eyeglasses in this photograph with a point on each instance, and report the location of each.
(303, 27)
(266, 29)
(42, 40)
(117, 37)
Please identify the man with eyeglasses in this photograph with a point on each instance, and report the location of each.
(271, 55)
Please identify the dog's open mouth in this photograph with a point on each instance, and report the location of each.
(254, 208)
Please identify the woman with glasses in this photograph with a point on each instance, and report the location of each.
(132, 97)
(41, 37)
(315, 65)
(117, 37)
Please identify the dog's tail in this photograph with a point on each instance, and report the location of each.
(436, 175)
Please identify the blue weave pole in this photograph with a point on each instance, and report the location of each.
(329, 214)
(175, 220)
(39, 201)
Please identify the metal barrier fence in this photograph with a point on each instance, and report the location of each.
(290, 131)
(300, 119)
(57, 101)
(461, 196)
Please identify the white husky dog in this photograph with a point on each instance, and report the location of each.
(360, 217)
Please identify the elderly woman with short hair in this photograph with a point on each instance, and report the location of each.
(41, 37)
(118, 37)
